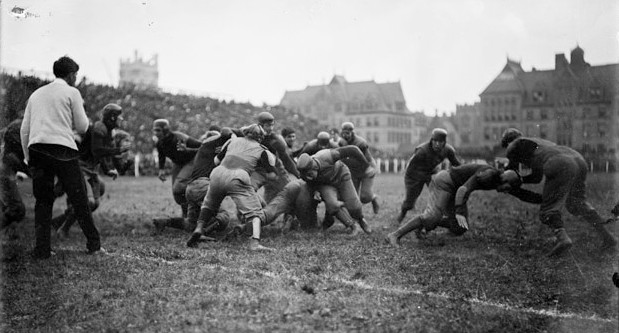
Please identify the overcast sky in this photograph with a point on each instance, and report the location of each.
(443, 52)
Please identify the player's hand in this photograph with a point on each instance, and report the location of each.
(370, 172)
(181, 146)
(113, 173)
(20, 176)
(271, 176)
(77, 137)
(125, 147)
(462, 221)
(161, 175)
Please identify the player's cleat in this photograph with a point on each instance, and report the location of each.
(194, 239)
(393, 240)
(160, 224)
(235, 232)
(254, 245)
(375, 205)
(328, 221)
(365, 226)
(99, 252)
(353, 229)
(62, 234)
(562, 244)
(421, 234)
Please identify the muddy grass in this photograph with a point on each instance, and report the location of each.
(493, 279)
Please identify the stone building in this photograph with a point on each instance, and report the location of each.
(574, 104)
(378, 110)
(467, 121)
(139, 72)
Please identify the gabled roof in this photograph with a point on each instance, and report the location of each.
(514, 79)
(508, 80)
(384, 95)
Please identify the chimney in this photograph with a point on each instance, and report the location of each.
(560, 61)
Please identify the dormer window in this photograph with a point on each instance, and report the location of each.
(539, 96)
(595, 93)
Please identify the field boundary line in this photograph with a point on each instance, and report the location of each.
(366, 286)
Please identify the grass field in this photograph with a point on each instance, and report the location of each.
(493, 279)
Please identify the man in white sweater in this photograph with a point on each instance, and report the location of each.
(52, 113)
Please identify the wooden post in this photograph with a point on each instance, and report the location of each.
(136, 165)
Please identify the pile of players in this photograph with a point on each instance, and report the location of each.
(236, 163)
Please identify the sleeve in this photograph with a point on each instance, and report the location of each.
(350, 152)
(280, 147)
(267, 161)
(101, 152)
(80, 120)
(526, 195)
(24, 131)
(463, 193)
(162, 157)
(451, 156)
(98, 145)
(365, 149)
(223, 152)
(192, 143)
(299, 151)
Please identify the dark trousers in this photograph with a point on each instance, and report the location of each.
(44, 168)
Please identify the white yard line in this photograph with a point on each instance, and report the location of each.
(401, 291)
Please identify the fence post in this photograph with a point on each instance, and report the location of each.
(591, 166)
(136, 165)
(607, 166)
(386, 166)
(378, 165)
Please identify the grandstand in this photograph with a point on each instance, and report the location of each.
(187, 113)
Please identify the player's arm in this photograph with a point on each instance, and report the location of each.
(100, 150)
(365, 149)
(451, 156)
(352, 152)
(526, 195)
(222, 153)
(280, 148)
(463, 193)
(267, 161)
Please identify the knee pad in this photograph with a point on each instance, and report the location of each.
(430, 223)
(223, 219)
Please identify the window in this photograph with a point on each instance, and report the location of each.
(539, 96)
(602, 112)
(543, 114)
(530, 114)
(375, 121)
(595, 93)
(543, 131)
(602, 129)
(486, 133)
